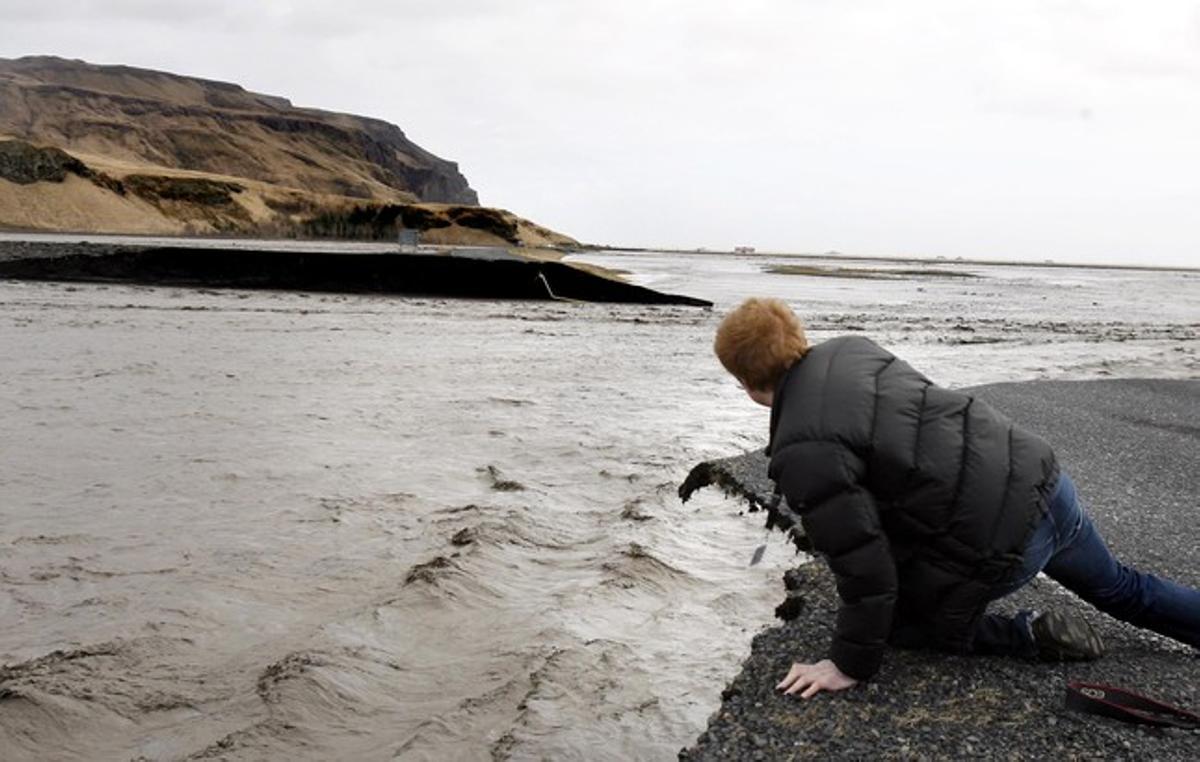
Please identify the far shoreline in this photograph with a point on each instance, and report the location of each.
(834, 256)
(592, 248)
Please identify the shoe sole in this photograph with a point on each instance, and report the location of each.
(1061, 637)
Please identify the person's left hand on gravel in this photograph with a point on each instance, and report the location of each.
(814, 678)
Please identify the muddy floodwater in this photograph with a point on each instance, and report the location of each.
(254, 525)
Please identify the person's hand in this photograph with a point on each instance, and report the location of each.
(814, 678)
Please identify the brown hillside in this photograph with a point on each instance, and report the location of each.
(124, 150)
(144, 117)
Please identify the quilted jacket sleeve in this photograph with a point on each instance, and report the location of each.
(822, 482)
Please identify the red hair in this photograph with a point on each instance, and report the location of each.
(759, 341)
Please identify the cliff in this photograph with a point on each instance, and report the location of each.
(124, 150)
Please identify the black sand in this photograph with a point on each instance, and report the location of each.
(1133, 448)
(467, 274)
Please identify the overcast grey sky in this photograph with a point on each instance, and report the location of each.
(1029, 129)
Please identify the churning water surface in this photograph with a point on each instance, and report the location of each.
(254, 525)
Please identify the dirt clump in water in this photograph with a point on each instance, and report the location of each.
(499, 483)
(428, 571)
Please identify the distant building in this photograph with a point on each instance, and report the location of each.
(743, 250)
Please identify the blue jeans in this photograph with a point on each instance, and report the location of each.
(1067, 547)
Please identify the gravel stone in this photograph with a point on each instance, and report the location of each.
(1133, 448)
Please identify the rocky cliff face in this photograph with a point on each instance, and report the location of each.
(46, 188)
(113, 149)
(150, 118)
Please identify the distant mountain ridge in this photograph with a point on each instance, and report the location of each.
(142, 116)
(116, 149)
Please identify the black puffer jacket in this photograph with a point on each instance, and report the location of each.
(921, 498)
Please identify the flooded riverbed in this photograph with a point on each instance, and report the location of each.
(257, 524)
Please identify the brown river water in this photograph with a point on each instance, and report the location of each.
(258, 525)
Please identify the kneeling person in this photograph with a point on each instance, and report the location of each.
(927, 504)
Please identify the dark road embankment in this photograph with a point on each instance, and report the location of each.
(424, 274)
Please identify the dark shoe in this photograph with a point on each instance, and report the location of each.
(1063, 636)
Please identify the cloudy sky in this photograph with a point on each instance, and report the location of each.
(1025, 129)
